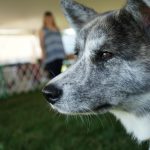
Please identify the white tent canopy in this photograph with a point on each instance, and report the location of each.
(28, 14)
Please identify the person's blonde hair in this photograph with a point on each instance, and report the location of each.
(49, 14)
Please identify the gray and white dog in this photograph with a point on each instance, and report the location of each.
(112, 72)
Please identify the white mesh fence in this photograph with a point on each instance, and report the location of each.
(21, 78)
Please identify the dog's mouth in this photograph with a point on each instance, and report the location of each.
(99, 109)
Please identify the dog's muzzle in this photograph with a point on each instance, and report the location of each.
(52, 93)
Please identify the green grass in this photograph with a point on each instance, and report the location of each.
(26, 123)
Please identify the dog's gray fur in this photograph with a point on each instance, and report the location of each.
(121, 82)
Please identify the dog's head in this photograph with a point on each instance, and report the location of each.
(113, 66)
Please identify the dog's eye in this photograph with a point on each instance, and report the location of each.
(102, 56)
(106, 55)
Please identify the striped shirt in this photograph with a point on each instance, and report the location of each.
(53, 46)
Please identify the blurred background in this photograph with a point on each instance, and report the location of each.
(26, 122)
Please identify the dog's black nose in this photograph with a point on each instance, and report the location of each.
(52, 93)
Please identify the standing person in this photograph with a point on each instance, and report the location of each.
(52, 46)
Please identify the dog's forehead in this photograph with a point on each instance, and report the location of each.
(113, 23)
(117, 27)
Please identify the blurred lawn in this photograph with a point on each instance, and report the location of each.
(26, 123)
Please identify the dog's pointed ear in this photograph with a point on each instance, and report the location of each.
(140, 10)
(77, 14)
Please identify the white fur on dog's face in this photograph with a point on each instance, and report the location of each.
(94, 84)
(97, 86)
